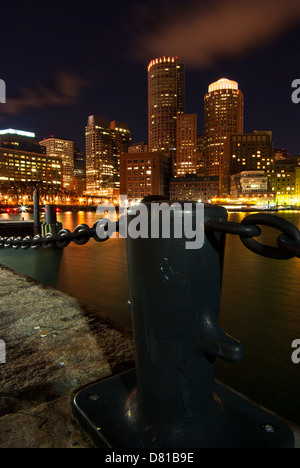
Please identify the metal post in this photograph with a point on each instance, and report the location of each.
(51, 225)
(36, 211)
(51, 214)
(171, 399)
(175, 301)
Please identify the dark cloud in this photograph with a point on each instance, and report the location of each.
(199, 33)
(65, 90)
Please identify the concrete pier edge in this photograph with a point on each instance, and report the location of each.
(54, 347)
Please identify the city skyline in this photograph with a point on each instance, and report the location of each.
(63, 82)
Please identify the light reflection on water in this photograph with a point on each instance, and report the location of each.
(260, 303)
(261, 308)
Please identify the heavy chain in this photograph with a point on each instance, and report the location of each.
(288, 242)
(80, 236)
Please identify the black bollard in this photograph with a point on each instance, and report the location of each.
(51, 225)
(175, 302)
(51, 214)
(171, 399)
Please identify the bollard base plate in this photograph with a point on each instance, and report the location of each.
(102, 410)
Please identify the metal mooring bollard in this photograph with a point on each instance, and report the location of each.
(50, 225)
(171, 399)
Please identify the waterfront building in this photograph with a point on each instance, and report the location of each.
(279, 154)
(248, 152)
(20, 140)
(186, 145)
(105, 142)
(283, 177)
(249, 184)
(141, 147)
(17, 166)
(223, 116)
(297, 189)
(143, 174)
(63, 149)
(165, 101)
(23, 161)
(203, 188)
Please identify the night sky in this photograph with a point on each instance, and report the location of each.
(63, 61)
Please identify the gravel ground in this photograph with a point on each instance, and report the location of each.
(54, 346)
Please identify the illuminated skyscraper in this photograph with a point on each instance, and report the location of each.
(165, 101)
(79, 180)
(64, 149)
(104, 143)
(223, 116)
(186, 154)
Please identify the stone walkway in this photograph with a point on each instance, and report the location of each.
(54, 346)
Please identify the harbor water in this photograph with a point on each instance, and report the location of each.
(260, 303)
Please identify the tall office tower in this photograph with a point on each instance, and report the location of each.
(165, 101)
(223, 116)
(64, 149)
(99, 167)
(105, 141)
(79, 164)
(186, 159)
(79, 179)
(121, 140)
(200, 155)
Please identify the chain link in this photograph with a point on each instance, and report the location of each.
(229, 227)
(288, 242)
(81, 235)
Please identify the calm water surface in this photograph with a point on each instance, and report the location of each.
(260, 304)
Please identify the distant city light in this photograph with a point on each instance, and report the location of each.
(23, 209)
